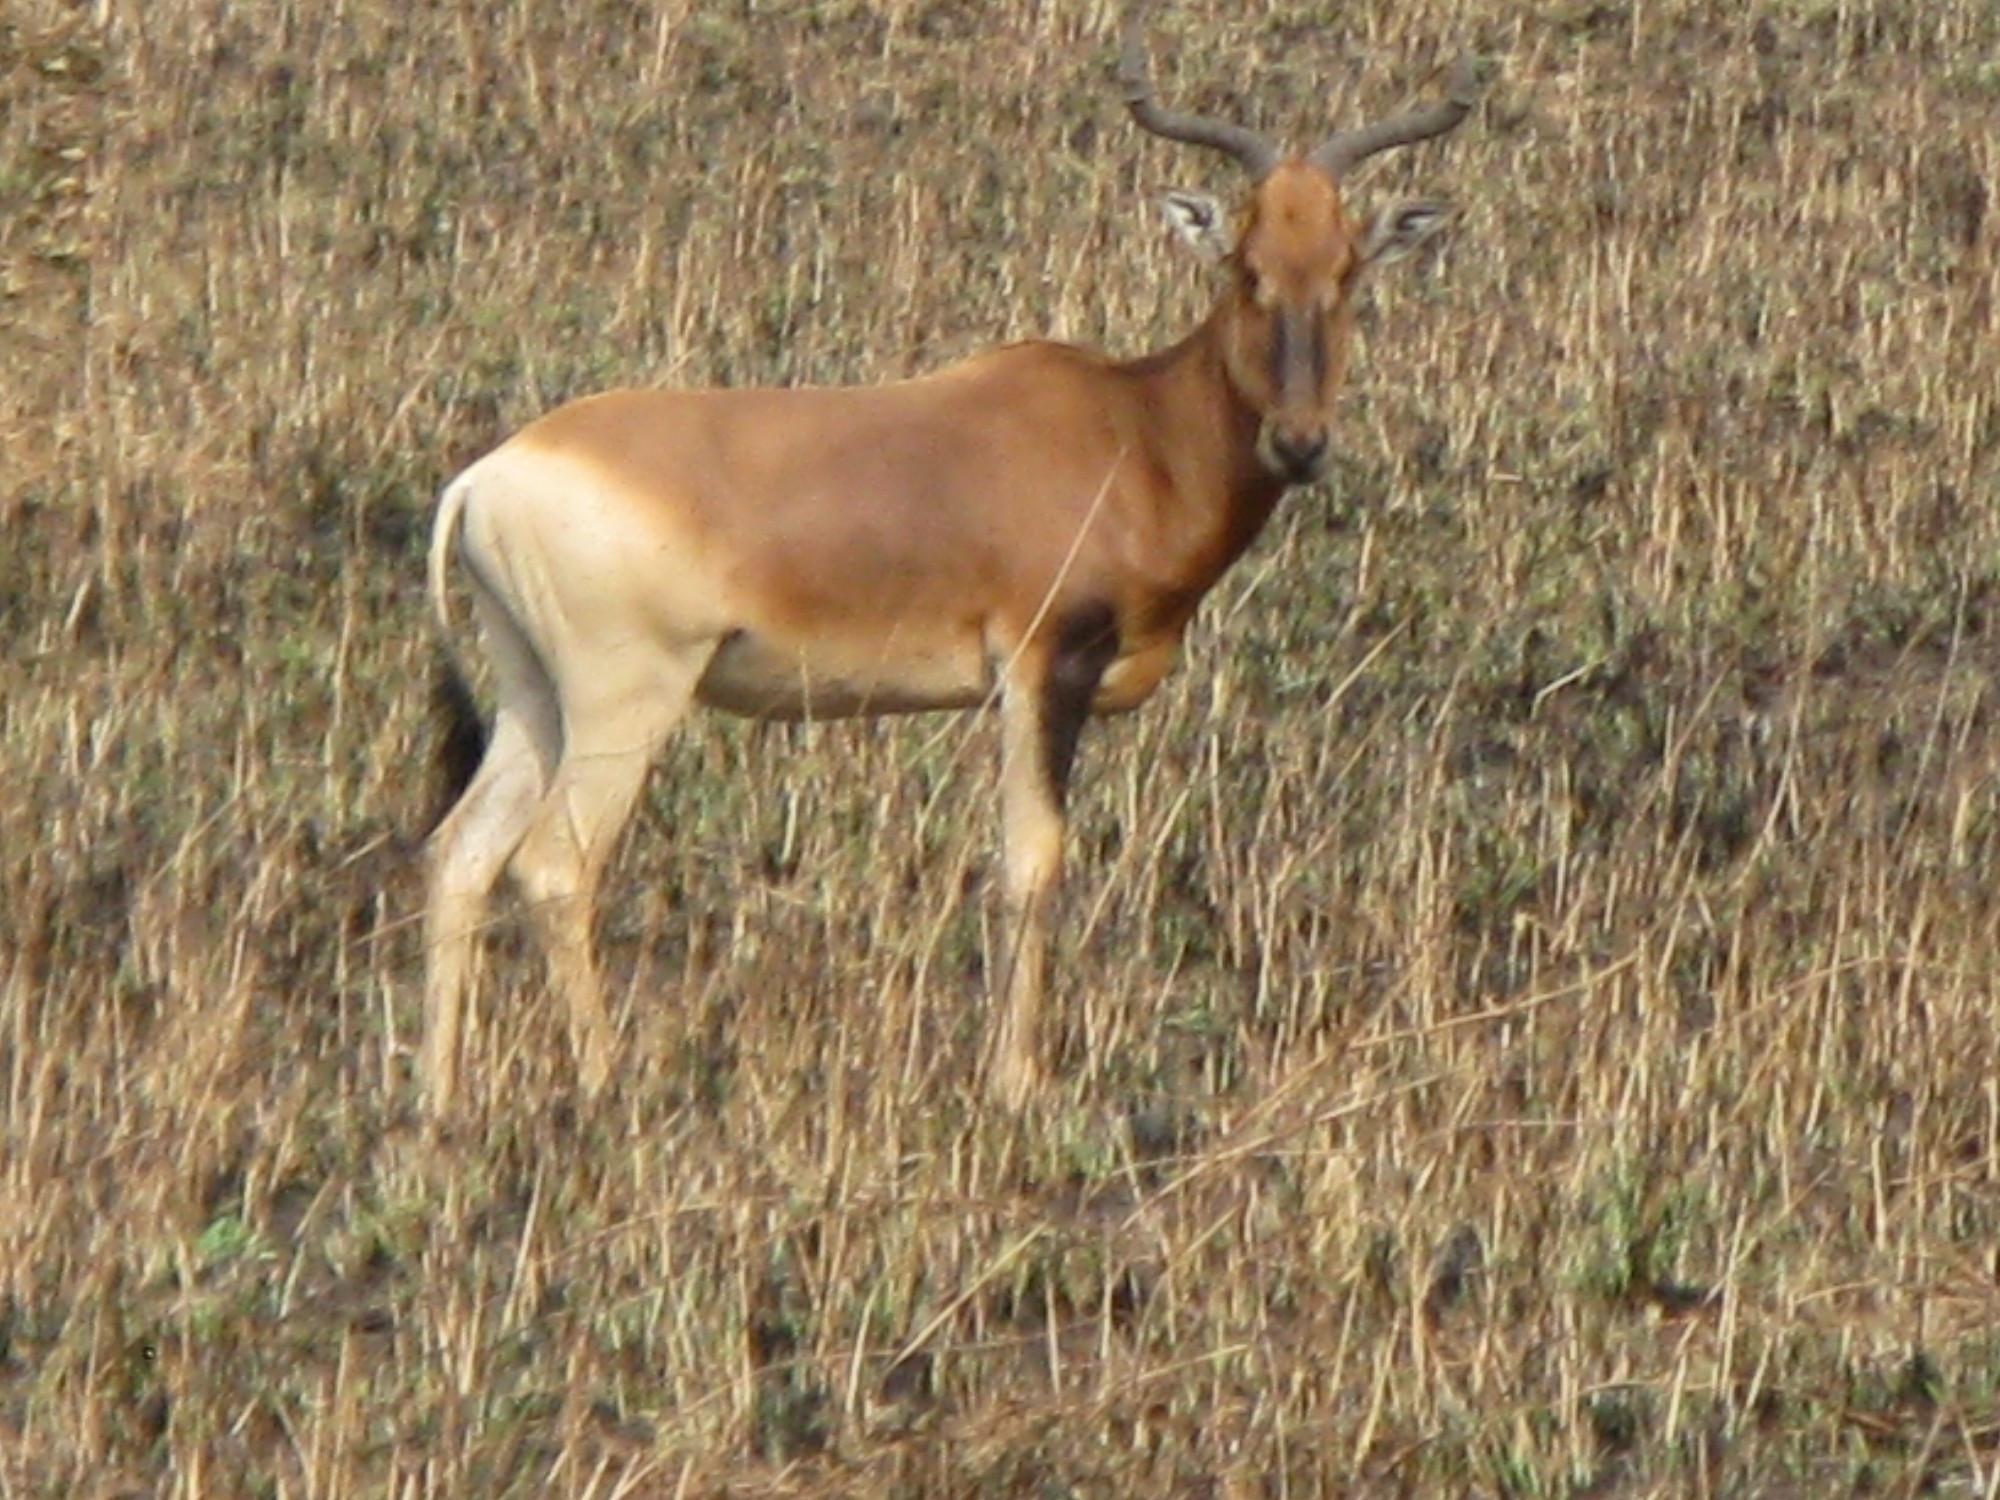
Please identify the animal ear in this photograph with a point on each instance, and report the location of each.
(1200, 222)
(1398, 231)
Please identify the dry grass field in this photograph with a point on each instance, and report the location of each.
(1527, 999)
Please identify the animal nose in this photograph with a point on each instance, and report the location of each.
(1299, 455)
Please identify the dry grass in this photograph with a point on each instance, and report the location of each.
(1529, 986)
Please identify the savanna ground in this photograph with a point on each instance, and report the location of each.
(1528, 1000)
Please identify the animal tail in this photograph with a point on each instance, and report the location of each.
(461, 742)
(444, 530)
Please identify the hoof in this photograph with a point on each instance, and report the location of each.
(1015, 1083)
(593, 1073)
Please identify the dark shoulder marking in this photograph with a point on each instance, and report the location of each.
(1085, 644)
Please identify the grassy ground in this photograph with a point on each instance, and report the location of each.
(1528, 988)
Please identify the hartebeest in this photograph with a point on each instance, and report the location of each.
(1035, 525)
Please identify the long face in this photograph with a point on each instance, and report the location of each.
(1287, 311)
(1287, 322)
(1294, 265)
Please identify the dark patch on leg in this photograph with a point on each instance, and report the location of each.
(461, 743)
(1086, 643)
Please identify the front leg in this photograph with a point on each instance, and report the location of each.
(1046, 694)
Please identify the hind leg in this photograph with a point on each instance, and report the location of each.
(614, 726)
(472, 845)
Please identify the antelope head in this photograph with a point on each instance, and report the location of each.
(1293, 257)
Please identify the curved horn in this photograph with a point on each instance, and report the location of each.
(1339, 153)
(1251, 150)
